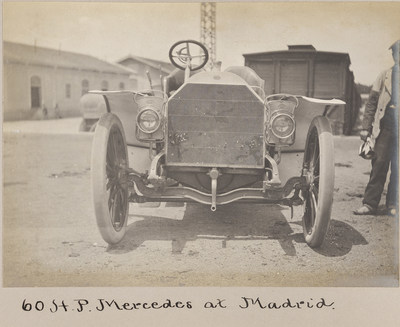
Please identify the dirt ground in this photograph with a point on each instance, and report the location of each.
(50, 237)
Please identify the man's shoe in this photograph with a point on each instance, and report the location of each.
(365, 210)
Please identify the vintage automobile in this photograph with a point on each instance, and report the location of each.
(211, 137)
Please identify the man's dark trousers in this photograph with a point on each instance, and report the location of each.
(386, 155)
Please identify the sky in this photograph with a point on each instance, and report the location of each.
(112, 31)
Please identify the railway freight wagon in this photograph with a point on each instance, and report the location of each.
(302, 70)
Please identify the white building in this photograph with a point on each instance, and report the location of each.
(156, 69)
(40, 80)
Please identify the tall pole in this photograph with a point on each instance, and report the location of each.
(207, 29)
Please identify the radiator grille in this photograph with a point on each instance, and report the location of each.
(215, 126)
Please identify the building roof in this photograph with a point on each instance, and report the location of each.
(34, 55)
(301, 47)
(166, 67)
(296, 50)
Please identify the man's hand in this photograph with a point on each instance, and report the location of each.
(364, 134)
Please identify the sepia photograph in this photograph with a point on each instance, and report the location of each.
(200, 145)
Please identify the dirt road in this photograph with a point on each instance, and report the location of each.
(50, 237)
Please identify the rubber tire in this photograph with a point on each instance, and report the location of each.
(321, 126)
(99, 178)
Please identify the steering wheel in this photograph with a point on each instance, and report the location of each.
(181, 55)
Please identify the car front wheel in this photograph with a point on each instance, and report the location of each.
(109, 165)
(319, 172)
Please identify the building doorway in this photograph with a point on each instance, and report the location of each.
(36, 96)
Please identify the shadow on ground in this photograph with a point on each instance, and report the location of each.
(340, 239)
(230, 223)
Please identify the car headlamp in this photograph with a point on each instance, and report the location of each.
(282, 125)
(148, 120)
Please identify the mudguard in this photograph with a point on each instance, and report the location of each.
(122, 104)
(306, 111)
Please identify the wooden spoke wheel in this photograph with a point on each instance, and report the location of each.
(109, 165)
(319, 171)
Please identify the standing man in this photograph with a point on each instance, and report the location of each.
(44, 112)
(381, 123)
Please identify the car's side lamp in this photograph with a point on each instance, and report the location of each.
(280, 126)
(150, 117)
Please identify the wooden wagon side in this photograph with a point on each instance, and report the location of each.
(302, 70)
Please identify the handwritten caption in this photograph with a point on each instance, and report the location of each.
(100, 304)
